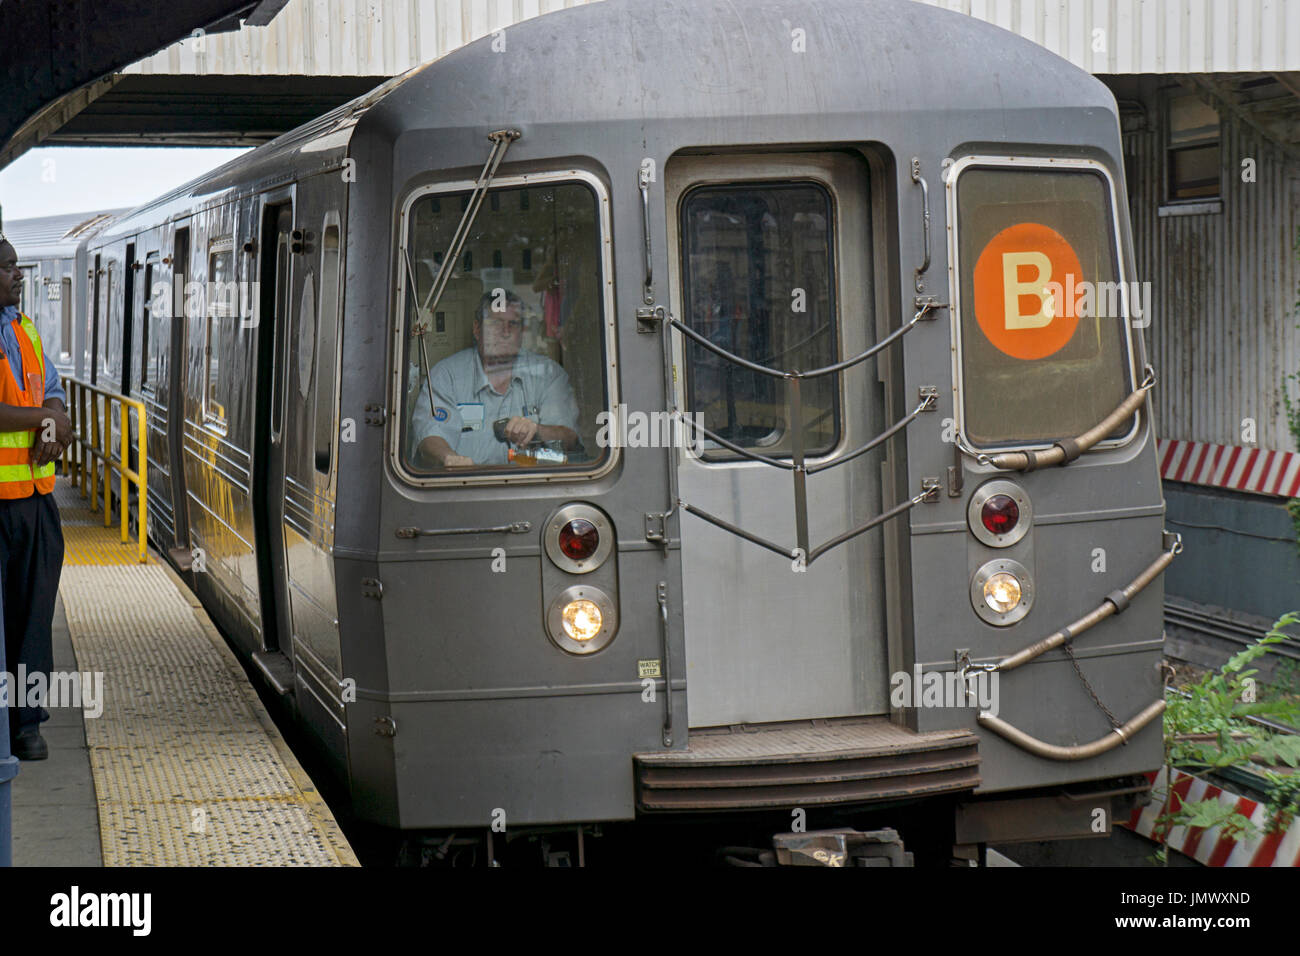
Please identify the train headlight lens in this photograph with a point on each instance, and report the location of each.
(1002, 592)
(579, 539)
(582, 620)
(1000, 514)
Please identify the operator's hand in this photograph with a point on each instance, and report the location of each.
(456, 461)
(520, 430)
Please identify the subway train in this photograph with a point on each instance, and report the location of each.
(54, 286)
(725, 412)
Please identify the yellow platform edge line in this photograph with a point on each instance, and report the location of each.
(317, 809)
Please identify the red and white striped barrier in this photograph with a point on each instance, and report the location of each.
(1210, 847)
(1231, 466)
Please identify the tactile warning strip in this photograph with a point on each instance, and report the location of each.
(188, 768)
(85, 539)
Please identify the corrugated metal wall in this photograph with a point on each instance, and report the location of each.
(387, 37)
(1223, 334)
(346, 37)
(1153, 36)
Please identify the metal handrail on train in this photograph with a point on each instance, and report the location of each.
(798, 465)
(91, 410)
(1114, 603)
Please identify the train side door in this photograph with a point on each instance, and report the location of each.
(275, 278)
(147, 361)
(309, 444)
(161, 361)
(770, 261)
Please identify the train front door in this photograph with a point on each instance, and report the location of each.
(770, 260)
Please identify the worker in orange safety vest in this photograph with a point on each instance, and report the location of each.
(34, 431)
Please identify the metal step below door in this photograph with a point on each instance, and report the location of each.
(806, 763)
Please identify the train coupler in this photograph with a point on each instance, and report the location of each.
(841, 847)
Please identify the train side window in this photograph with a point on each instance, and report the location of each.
(222, 307)
(159, 337)
(110, 332)
(147, 346)
(26, 296)
(510, 374)
(757, 281)
(326, 344)
(65, 305)
(1044, 351)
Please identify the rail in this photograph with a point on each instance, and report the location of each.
(91, 410)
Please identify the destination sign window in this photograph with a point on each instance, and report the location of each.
(1042, 312)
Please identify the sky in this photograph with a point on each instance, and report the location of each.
(53, 180)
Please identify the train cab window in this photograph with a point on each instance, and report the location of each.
(1044, 342)
(757, 281)
(220, 311)
(509, 373)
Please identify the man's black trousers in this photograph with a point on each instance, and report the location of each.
(31, 558)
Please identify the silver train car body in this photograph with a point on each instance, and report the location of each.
(55, 282)
(745, 170)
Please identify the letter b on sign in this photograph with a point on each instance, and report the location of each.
(1024, 294)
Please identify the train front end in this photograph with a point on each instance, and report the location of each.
(762, 433)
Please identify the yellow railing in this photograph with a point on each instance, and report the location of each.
(91, 410)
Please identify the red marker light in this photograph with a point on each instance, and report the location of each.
(579, 539)
(1000, 514)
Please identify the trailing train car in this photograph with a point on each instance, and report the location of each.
(675, 410)
(54, 282)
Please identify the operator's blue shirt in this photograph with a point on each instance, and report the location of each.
(466, 404)
(9, 338)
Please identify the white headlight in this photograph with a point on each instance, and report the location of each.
(582, 619)
(1002, 592)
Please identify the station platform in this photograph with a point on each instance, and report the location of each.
(183, 767)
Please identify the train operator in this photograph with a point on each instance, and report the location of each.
(34, 431)
(491, 380)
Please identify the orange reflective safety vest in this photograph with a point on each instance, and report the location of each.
(18, 479)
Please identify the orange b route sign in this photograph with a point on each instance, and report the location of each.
(1020, 304)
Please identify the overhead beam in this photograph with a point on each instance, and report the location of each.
(62, 47)
(1288, 82)
(1223, 99)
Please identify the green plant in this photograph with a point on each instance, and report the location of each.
(1207, 728)
(1286, 677)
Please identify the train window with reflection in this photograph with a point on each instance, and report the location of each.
(507, 373)
(1044, 334)
(221, 310)
(757, 281)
